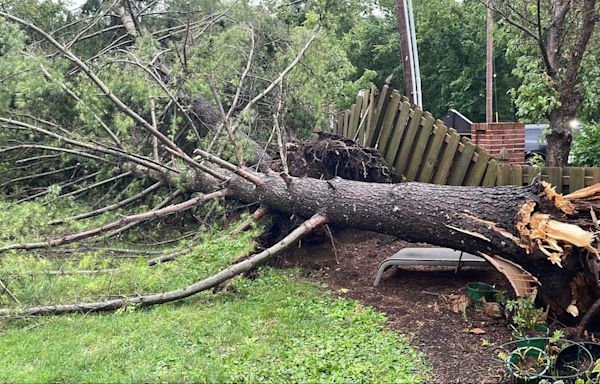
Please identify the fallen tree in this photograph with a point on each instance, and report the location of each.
(550, 236)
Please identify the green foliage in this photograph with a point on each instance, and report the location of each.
(586, 146)
(536, 97)
(525, 315)
(590, 85)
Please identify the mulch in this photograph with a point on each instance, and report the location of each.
(420, 302)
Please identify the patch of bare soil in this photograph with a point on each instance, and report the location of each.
(420, 302)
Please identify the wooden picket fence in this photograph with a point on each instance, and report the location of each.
(417, 147)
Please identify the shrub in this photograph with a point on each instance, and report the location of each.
(586, 146)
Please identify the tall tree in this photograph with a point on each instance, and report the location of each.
(561, 31)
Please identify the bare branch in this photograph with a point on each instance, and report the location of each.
(168, 257)
(29, 177)
(233, 168)
(118, 223)
(255, 217)
(281, 75)
(238, 90)
(62, 186)
(98, 184)
(159, 298)
(111, 207)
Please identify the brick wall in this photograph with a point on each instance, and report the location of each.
(504, 141)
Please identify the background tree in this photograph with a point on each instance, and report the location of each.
(552, 45)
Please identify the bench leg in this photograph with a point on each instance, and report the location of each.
(459, 264)
(382, 268)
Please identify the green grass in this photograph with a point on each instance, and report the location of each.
(276, 328)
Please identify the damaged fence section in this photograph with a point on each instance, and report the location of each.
(418, 147)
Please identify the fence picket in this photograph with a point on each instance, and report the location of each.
(355, 116)
(408, 141)
(421, 143)
(377, 117)
(433, 152)
(441, 174)
(387, 122)
(477, 170)
(576, 179)
(462, 163)
(491, 173)
(398, 132)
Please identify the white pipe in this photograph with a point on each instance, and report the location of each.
(416, 66)
(411, 57)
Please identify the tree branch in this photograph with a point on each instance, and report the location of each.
(159, 298)
(111, 207)
(118, 223)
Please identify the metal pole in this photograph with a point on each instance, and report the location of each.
(415, 55)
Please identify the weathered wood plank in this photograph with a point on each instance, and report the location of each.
(355, 117)
(339, 129)
(503, 174)
(346, 123)
(433, 151)
(347, 132)
(423, 136)
(360, 134)
(491, 173)
(372, 107)
(398, 132)
(444, 164)
(377, 118)
(387, 122)
(592, 176)
(407, 143)
(577, 179)
(477, 170)
(462, 163)
(554, 177)
(516, 175)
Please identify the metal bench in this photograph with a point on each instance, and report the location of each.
(430, 256)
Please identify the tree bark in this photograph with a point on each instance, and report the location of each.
(473, 219)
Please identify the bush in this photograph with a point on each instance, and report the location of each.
(586, 146)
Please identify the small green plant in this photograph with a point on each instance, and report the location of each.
(536, 159)
(588, 375)
(556, 336)
(526, 317)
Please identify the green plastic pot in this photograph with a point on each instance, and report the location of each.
(477, 290)
(540, 341)
(516, 359)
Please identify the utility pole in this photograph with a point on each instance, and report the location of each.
(489, 65)
(405, 48)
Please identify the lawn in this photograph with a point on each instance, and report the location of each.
(277, 327)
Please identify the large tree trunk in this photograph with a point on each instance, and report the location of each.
(501, 221)
(560, 137)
